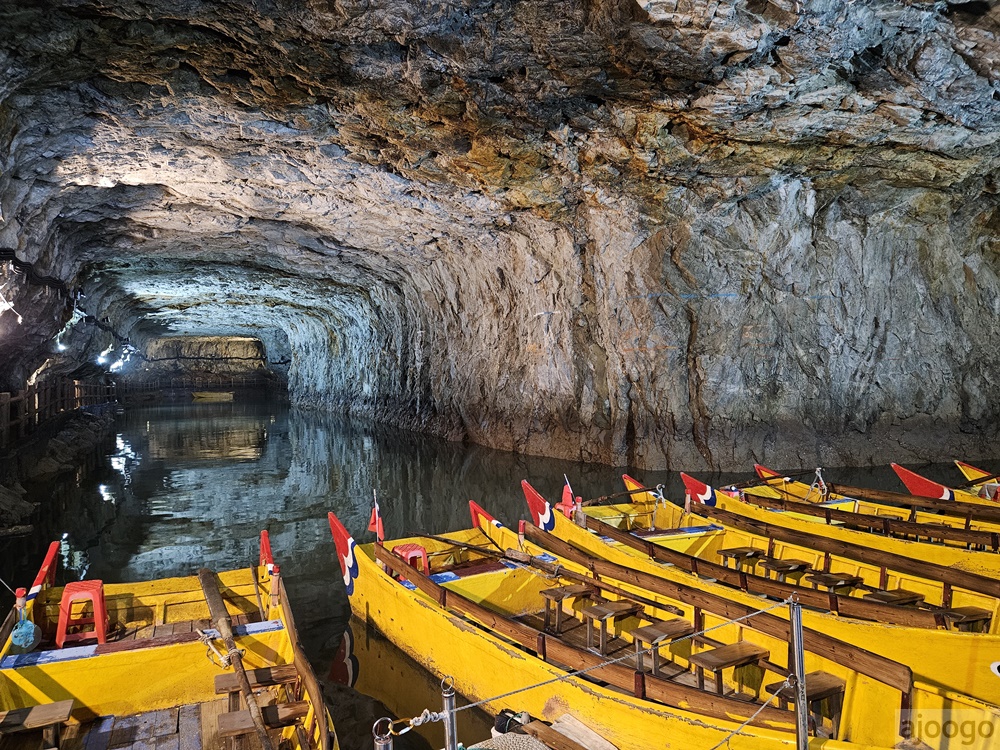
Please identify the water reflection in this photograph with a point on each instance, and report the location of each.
(181, 487)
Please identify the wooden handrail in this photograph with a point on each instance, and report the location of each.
(754, 584)
(934, 571)
(880, 524)
(967, 511)
(24, 411)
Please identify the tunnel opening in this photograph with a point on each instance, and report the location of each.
(203, 368)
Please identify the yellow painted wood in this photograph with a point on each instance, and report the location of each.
(160, 674)
(807, 493)
(485, 665)
(961, 662)
(982, 563)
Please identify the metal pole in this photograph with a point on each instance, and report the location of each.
(383, 739)
(450, 726)
(799, 677)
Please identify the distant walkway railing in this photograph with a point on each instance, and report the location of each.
(23, 412)
(126, 386)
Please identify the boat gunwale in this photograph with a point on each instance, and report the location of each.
(830, 602)
(944, 574)
(871, 523)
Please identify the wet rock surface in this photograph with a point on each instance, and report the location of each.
(58, 449)
(668, 233)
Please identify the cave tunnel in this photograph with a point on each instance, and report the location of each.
(599, 231)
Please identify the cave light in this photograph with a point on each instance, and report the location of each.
(5, 305)
(103, 356)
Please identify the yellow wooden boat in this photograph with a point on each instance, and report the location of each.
(983, 493)
(480, 616)
(985, 563)
(658, 538)
(985, 484)
(937, 519)
(154, 677)
(212, 396)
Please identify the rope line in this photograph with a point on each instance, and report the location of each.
(741, 727)
(609, 662)
(7, 586)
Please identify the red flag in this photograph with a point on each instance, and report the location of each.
(375, 522)
(566, 504)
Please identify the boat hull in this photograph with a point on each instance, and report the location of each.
(484, 666)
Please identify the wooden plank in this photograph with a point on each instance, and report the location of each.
(210, 713)
(71, 737)
(234, 723)
(945, 507)
(189, 727)
(140, 643)
(35, 717)
(22, 741)
(880, 524)
(552, 738)
(227, 683)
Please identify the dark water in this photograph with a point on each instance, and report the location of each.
(181, 487)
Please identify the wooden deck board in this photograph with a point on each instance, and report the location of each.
(210, 713)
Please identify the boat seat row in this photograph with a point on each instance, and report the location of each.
(964, 618)
(717, 658)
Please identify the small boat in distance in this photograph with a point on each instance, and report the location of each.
(195, 660)
(218, 396)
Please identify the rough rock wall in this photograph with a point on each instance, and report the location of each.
(204, 357)
(681, 233)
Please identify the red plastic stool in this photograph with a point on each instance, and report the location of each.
(412, 552)
(82, 591)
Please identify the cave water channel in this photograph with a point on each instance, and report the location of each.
(182, 486)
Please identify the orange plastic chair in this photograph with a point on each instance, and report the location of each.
(411, 553)
(82, 591)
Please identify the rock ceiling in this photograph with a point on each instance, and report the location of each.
(675, 233)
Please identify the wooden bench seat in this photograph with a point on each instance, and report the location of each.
(262, 677)
(555, 597)
(235, 723)
(655, 634)
(602, 614)
(969, 619)
(740, 555)
(819, 686)
(831, 581)
(782, 568)
(900, 597)
(715, 660)
(46, 716)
